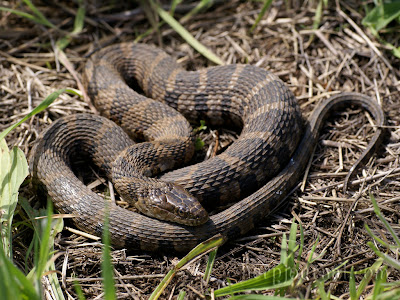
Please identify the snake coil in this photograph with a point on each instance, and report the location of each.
(261, 167)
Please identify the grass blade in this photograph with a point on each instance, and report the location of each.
(278, 277)
(284, 250)
(381, 278)
(187, 36)
(37, 12)
(321, 290)
(383, 220)
(42, 106)
(352, 285)
(301, 242)
(267, 4)
(199, 250)
(13, 282)
(107, 270)
(292, 247)
(45, 231)
(210, 265)
(376, 238)
(78, 290)
(368, 276)
(204, 4)
(181, 295)
(79, 21)
(79, 18)
(23, 15)
(174, 4)
(45, 242)
(318, 15)
(13, 171)
(388, 259)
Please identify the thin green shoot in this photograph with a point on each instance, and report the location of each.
(174, 4)
(201, 127)
(200, 250)
(321, 290)
(26, 16)
(202, 5)
(292, 246)
(284, 252)
(387, 258)
(39, 18)
(383, 220)
(330, 274)
(210, 264)
(317, 19)
(278, 277)
(318, 14)
(30, 286)
(151, 14)
(79, 21)
(42, 106)
(352, 285)
(185, 18)
(186, 35)
(45, 230)
(369, 272)
(107, 270)
(378, 239)
(36, 17)
(181, 295)
(389, 295)
(381, 279)
(382, 289)
(78, 290)
(266, 5)
(38, 14)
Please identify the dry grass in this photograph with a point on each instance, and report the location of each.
(339, 56)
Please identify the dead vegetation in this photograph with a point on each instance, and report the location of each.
(340, 55)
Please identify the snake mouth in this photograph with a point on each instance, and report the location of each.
(174, 204)
(181, 217)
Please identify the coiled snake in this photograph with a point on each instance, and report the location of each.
(260, 167)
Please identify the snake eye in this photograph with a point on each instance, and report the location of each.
(181, 212)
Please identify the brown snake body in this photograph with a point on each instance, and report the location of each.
(239, 94)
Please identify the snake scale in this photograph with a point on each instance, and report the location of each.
(261, 167)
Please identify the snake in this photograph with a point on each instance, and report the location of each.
(143, 90)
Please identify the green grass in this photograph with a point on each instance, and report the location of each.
(107, 270)
(194, 254)
(383, 20)
(37, 17)
(170, 20)
(16, 284)
(266, 5)
(13, 171)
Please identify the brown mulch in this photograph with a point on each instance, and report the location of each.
(340, 56)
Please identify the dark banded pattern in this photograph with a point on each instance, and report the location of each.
(241, 95)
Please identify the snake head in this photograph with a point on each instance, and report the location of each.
(173, 203)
